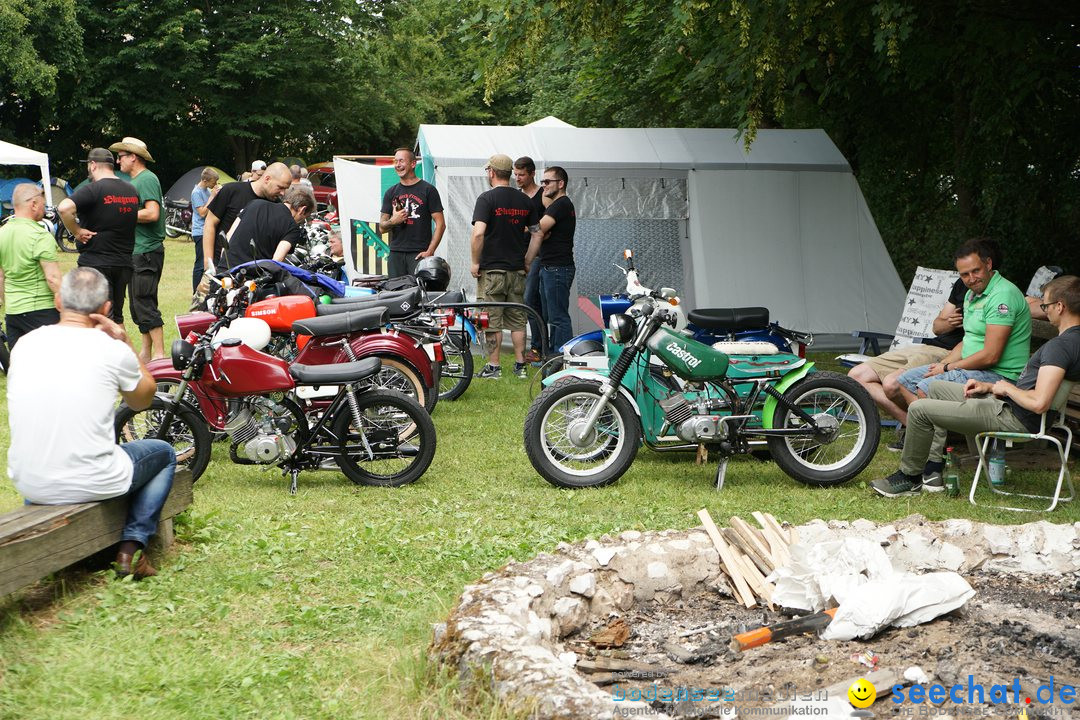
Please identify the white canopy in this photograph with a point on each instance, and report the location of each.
(11, 154)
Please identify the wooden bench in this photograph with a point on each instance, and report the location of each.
(36, 540)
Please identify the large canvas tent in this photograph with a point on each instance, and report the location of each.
(783, 224)
(11, 154)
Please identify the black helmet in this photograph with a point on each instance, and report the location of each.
(433, 273)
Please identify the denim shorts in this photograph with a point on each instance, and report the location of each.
(915, 379)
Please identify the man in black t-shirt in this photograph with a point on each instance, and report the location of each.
(949, 329)
(525, 176)
(557, 257)
(233, 197)
(102, 216)
(408, 210)
(501, 255)
(273, 228)
(1001, 406)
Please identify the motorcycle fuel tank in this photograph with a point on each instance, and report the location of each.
(238, 370)
(281, 312)
(688, 358)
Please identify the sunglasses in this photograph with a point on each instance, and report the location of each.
(548, 181)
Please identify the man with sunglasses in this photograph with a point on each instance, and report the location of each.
(979, 406)
(556, 258)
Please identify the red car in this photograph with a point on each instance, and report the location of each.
(324, 185)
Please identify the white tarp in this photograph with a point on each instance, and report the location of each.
(782, 225)
(11, 154)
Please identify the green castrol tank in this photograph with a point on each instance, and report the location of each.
(686, 357)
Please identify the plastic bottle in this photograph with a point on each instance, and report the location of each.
(996, 464)
(952, 480)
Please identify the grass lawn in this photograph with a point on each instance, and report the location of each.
(320, 605)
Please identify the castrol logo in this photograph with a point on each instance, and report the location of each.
(683, 354)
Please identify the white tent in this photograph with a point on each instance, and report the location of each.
(11, 154)
(783, 225)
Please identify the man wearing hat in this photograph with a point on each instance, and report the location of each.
(258, 167)
(148, 256)
(102, 216)
(408, 209)
(501, 255)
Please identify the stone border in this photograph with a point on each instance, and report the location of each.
(509, 625)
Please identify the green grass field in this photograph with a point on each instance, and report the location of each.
(320, 605)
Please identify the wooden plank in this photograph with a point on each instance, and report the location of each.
(41, 539)
(736, 541)
(777, 543)
(742, 590)
(756, 580)
(758, 549)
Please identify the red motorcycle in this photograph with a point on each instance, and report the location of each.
(375, 436)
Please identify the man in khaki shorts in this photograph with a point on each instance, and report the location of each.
(501, 256)
(949, 331)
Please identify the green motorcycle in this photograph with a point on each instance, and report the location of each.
(663, 388)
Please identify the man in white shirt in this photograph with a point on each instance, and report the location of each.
(61, 391)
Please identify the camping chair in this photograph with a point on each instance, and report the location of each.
(983, 439)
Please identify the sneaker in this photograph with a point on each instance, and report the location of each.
(532, 356)
(933, 482)
(520, 369)
(897, 485)
(492, 372)
(897, 445)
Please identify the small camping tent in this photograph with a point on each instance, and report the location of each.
(181, 189)
(11, 154)
(783, 224)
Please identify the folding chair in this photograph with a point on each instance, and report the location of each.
(983, 439)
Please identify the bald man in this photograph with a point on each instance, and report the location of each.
(227, 204)
(29, 273)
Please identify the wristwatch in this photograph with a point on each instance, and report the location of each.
(946, 368)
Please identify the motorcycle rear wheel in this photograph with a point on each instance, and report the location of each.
(854, 427)
(187, 433)
(457, 370)
(607, 455)
(399, 432)
(400, 376)
(65, 240)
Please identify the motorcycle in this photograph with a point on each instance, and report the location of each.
(671, 392)
(177, 217)
(375, 436)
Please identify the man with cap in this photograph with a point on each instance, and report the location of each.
(258, 167)
(408, 209)
(29, 273)
(502, 252)
(102, 216)
(225, 207)
(148, 258)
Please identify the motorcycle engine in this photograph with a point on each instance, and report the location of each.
(261, 430)
(692, 424)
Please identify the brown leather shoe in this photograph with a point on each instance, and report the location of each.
(122, 564)
(143, 568)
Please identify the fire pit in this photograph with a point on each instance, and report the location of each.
(640, 625)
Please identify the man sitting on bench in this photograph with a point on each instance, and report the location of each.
(979, 406)
(61, 391)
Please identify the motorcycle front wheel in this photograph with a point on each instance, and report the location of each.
(393, 444)
(173, 223)
(848, 434)
(65, 240)
(607, 450)
(187, 432)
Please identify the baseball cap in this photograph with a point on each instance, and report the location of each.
(100, 155)
(258, 165)
(500, 162)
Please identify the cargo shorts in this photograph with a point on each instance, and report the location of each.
(503, 286)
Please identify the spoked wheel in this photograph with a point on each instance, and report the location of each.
(848, 430)
(393, 444)
(564, 452)
(401, 377)
(65, 240)
(457, 370)
(186, 432)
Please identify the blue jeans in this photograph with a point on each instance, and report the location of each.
(555, 282)
(154, 464)
(915, 379)
(197, 269)
(532, 299)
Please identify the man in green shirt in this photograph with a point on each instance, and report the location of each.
(29, 273)
(148, 258)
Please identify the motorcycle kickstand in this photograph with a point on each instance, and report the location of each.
(721, 470)
(293, 473)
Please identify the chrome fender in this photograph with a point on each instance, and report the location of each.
(583, 374)
(769, 409)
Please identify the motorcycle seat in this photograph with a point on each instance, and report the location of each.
(398, 305)
(341, 324)
(381, 295)
(730, 319)
(451, 297)
(169, 202)
(335, 374)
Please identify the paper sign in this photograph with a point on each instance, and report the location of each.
(927, 296)
(1042, 276)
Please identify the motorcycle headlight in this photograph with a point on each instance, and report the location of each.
(622, 328)
(182, 352)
